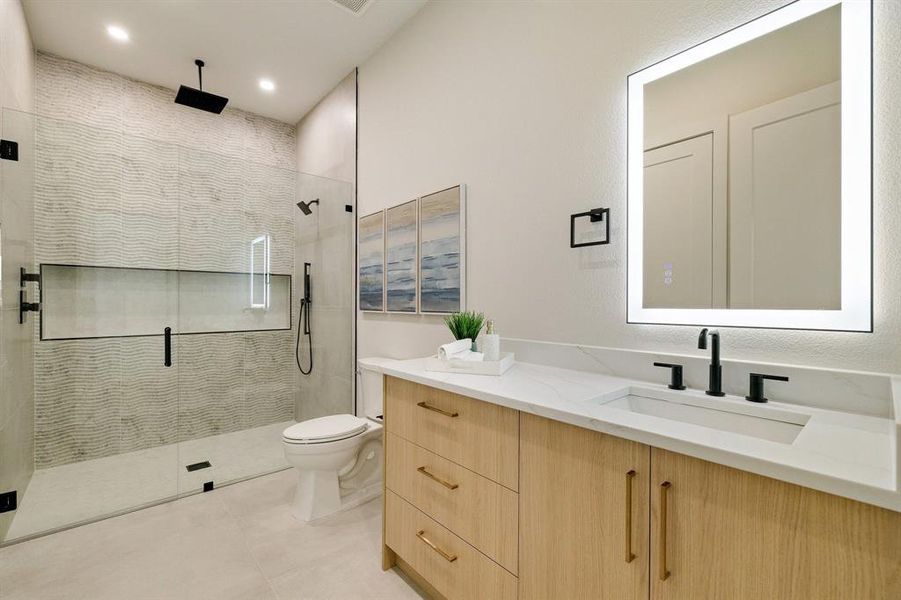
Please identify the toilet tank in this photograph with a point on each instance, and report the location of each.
(370, 400)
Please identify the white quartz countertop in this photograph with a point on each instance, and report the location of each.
(841, 453)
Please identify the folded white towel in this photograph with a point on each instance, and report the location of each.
(447, 350)
(467, 356)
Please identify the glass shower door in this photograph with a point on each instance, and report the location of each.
(325, 241)
(236, 258)
(103, 405)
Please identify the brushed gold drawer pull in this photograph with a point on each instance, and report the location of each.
(661, 558)
(447, 556)
(433, 477)
(446, 413)
(629, 477)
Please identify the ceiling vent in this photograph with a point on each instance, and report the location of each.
(357, 7)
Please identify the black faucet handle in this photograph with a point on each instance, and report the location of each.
(675, 375)
(755, 388)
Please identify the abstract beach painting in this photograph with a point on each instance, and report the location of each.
(442, 261)
(400, 253)
(372, 262)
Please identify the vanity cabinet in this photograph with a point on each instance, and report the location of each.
(731, 534)
(484, 502)
(583, 513)
(451, 492)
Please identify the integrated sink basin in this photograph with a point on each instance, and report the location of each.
(722, 414)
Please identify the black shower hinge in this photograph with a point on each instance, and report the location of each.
(198, 465)
(8, 501)
(25, 277)
(9, 150)
(208, 486)
(25, 306)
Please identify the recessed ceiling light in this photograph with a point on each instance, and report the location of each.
(267, 85)
(117, 33)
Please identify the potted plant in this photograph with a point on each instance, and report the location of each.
(466, 324)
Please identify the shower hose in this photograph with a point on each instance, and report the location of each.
(305, 331)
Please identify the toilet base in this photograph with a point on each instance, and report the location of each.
(318, 495)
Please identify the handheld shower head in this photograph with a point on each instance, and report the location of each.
(306, 207)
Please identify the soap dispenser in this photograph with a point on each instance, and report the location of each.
(491, 342)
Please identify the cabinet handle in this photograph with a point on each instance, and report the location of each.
(447, 556)
(661, 558)
(629, 477)
(444, 482)
(446, 413)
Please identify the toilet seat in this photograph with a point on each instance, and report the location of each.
(325, 429)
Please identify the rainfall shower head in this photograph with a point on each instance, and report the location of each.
(306, 207)
(198, 98)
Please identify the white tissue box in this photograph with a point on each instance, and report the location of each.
(470, 367)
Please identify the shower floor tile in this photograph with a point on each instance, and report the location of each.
(79, 492)
(235, 543)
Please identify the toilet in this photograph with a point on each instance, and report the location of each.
(338, 458)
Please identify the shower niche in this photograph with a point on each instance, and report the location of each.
(80, 302)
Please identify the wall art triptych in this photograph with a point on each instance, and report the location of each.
(412, 257)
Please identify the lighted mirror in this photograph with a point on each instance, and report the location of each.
(749, 165)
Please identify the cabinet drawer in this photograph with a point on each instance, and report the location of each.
(478, 435)
(480, 511)
(450, 565)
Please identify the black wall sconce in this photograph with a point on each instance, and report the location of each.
(595, 215)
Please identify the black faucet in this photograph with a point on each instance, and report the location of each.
(715, 386)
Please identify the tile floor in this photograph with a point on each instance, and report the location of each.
(238, 542)
(78, 492)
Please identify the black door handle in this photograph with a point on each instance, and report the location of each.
(167, 347)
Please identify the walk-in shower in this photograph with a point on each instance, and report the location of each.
(161, 359)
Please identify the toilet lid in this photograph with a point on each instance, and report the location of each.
(325, 429)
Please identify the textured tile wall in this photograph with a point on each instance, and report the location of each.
(326, 239)
(125, 177)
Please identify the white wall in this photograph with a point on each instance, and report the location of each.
(16, 58)
(326, 136)
(526, 104)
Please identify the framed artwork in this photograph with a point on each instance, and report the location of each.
(442, 251)
(372, 262)
(400, 258)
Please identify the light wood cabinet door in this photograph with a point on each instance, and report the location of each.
(574, 485)
(734, 535)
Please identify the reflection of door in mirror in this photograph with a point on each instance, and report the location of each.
(742, 185)
(785, 203)
(678, 243)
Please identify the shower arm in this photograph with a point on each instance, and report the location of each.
(200, 65)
